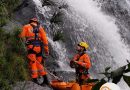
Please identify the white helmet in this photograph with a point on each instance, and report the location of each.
(110, 86)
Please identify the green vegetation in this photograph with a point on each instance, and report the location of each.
(114, 75)
(63, 6)
(13, 66)
(58, 36)
(6, 10)
(48, 3)
(127, 79)
(57, 18)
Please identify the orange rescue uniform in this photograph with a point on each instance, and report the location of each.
(84, 64)
(35, 52)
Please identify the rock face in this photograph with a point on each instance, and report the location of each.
(28, 85)
(25, 11)
(74, 31)
(121, 11)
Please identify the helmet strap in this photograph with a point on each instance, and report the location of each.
(81, 51)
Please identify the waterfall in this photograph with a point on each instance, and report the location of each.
(61, 50)
(104, 26)
(58, 47)
(89, 23)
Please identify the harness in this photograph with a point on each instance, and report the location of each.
(79, 69)
(36, 41)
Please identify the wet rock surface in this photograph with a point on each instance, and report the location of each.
(74, 32)
(28, 85)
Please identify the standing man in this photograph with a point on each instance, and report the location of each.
(81, 63)
(35, 39)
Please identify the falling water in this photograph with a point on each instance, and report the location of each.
(57, 46)
(103, 25)
(60, 49)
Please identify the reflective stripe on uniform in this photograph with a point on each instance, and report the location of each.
(30, 37)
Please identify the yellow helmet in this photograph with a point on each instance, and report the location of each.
(83, 44)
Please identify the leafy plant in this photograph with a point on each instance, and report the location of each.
(3, 9)
(58, 36)
(117, 74)
(64, 6)
(13, 66)
(56, 18)
(114, 75)
(98, 84)
(107, 73)
(10, 5)
(127, 79)
(6, 10)
(3, 22)
(48, 3)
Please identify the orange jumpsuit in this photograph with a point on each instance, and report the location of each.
(84, 64)
(35, 52)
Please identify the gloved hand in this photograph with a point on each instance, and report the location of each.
(76, 62)
(73, 64)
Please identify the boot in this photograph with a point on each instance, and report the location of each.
(35, 80)
(45, 81)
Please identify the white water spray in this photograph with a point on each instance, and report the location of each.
(61, 50)
(105, 26)
(57, 46)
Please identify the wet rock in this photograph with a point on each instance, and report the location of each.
(28, 85)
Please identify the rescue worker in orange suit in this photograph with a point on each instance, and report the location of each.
(81, 63)
(35, 40)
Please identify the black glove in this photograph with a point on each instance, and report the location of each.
(73, 64)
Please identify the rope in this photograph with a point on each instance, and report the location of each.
(56, 77)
